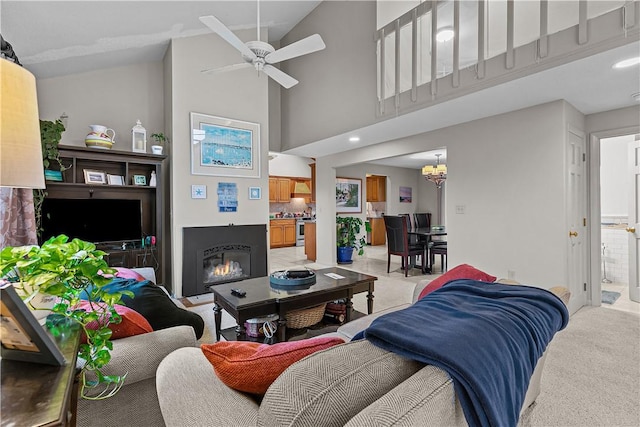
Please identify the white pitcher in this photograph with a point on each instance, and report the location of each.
(102, 132)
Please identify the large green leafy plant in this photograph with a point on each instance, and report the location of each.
(348, 232)
(66, 269)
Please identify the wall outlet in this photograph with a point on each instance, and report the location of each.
(460, 209)
(511, 275)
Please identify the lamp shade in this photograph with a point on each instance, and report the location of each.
(20, 146)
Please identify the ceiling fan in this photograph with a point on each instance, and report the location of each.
(262, 55)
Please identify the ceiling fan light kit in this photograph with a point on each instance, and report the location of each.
(261, 55)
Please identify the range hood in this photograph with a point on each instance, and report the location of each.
(301, 190)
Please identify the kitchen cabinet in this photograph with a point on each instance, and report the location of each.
(378, 234)
(279, 190)
(313, 182)
(376, 188)
(282, 233)
(310, 240)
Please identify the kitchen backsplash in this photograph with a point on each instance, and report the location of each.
(295, 206)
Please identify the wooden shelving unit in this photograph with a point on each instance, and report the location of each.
(125, 164)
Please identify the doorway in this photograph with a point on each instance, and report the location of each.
(611, 282)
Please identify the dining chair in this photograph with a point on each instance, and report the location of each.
(398, 243)
(422, 220)
(441, 250)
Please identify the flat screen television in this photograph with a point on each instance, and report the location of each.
(92, 220)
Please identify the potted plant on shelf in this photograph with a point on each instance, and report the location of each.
(347, 238)
(50, 136)
(66, 270)
(160, 141)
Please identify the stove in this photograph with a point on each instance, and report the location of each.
(300, 229)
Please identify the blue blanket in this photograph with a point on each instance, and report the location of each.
(488, 337)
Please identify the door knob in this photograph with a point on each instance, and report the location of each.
(631, 229)
(573, 234)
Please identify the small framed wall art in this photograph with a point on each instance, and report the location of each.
(255, 193)
(94, 177)
(348, 195)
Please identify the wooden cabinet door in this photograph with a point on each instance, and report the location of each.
(290, 234)
(372, 189)
(381, 182)
(313, 182)
(276, 232)
(273, 190)
(378, 231)
(284, 190)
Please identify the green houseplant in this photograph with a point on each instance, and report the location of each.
(348, 238)
(50, 136)
(66, 269)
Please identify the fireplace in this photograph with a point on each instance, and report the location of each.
(222, 254)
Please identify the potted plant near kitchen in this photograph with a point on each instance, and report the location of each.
(65, 270)
(348, 238)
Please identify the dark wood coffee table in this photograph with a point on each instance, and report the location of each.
(262, 299)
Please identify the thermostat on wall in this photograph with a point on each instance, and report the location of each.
(198, 191)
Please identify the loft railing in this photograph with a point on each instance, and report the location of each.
(415, 68)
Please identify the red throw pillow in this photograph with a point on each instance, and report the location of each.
(133, 323)
(127, 273)
(252, 367)
(462, 271)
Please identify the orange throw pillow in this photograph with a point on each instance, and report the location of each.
(133, 323)
(462, 271)
(252, 367)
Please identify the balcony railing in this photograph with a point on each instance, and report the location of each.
(418, 66)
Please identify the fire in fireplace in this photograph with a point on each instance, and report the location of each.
(221, 254)
(224, 264)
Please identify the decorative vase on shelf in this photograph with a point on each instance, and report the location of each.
(99, 137)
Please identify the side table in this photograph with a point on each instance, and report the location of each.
(41, 395)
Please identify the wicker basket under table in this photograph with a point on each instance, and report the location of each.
(298, 319)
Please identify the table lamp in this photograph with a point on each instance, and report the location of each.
(20, 146)
(21, 166)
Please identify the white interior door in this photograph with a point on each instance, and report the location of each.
(634, 219)
(577, 219)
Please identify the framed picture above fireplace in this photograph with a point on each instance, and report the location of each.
(224, 147)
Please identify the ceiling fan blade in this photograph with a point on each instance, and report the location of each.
(280, 76)
(220, 29)
(227, 68)
(309, 44)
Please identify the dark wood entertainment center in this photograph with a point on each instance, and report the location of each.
(125, 164)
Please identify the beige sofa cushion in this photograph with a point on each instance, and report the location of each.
(333, 385)
(426, 398)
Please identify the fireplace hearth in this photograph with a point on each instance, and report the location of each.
(222, 254)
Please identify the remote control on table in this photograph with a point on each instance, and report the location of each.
(238, 292)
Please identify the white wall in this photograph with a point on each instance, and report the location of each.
(113, 97)
(288, 165)
(614, 176)
(240, 95)
(514, 215)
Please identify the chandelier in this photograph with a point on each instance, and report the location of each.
(435, 173)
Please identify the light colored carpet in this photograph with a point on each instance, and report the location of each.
(592, 373)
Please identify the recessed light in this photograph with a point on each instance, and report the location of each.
(445, 34)
(627, 62)
(354, 139)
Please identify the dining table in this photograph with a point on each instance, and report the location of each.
(426, 233)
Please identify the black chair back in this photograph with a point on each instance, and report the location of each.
(422, 220)
(396, 228)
